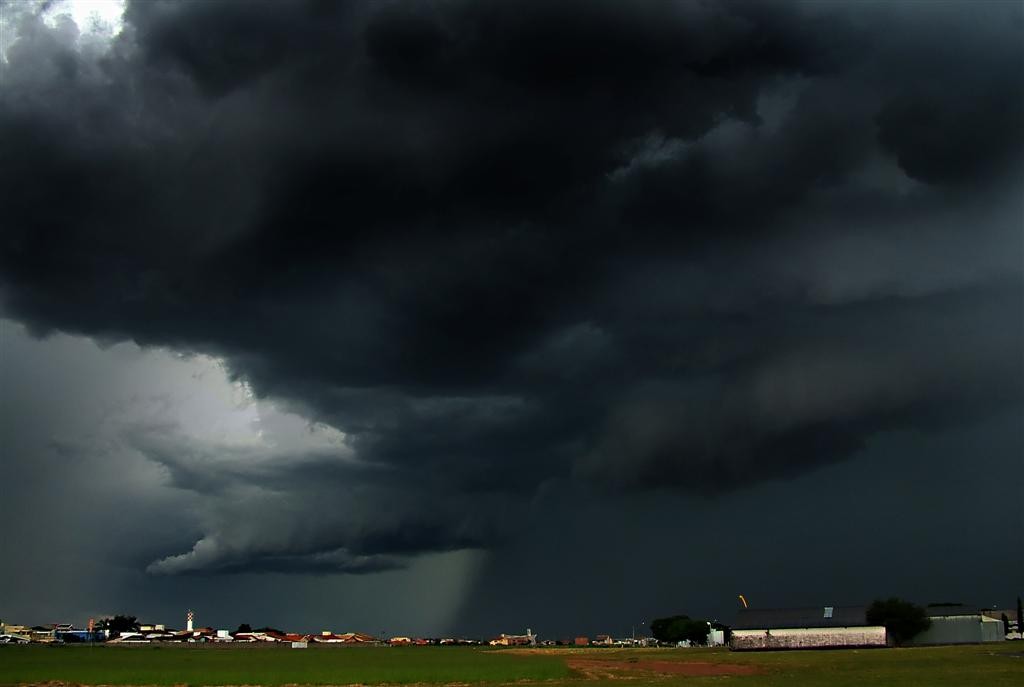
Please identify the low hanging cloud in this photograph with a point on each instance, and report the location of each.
(650, 245)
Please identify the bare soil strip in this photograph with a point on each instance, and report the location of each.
(594, 668)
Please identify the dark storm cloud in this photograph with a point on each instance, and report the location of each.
(319, 511)
(499, 245)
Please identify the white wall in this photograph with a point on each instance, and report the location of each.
(807, 638)
(967, 629)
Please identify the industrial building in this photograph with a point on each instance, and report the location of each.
(822, 627)
(958, 624)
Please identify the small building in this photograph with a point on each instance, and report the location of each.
(582, 641)
(258, 637)
(14, 634)
(823, 627)
(1013, 626)
(7, 638)
(529, 639)
(77, 636)
(130, 638)
(958, 624)
(41, 633)
(328, 637)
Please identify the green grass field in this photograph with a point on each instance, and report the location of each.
(148, 665)
(989, 666)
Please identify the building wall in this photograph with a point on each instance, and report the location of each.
(807, 638)
(961, 629)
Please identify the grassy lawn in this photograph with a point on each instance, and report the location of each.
(994, 665)
(147, 665)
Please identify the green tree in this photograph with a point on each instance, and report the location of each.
(678, 628)
(118, 624)
(902, 620)
(244, 627)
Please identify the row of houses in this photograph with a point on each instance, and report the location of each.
(207, 634)
(148, 633)
(832, 627)
(46, 634)
(151, 633)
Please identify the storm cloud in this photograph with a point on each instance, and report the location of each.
(501, 247)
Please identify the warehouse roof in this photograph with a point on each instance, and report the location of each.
(950, 610)
(819, 616)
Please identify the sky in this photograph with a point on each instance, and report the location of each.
(455, 318)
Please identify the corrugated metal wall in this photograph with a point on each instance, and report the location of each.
(970, 629)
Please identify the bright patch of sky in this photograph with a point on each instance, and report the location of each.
(151, 386)
(92, 16)
(98, 21)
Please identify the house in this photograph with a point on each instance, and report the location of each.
(582, 641)
(294, 637)
(256, 637)
(958, 624)
(1014, 625)
(822, 627)
(203, 634)
(358, 638)
(7, 638)
(528, 639)
(14, 634)
(328, 637)
(161, 636)
(130, 638)
(40, 633)
(603, 640)
(75, 636)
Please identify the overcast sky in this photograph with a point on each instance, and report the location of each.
(462, 317)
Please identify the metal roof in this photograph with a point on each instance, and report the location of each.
(818, 616)
(950, 610)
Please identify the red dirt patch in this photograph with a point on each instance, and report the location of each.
(598, 668)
